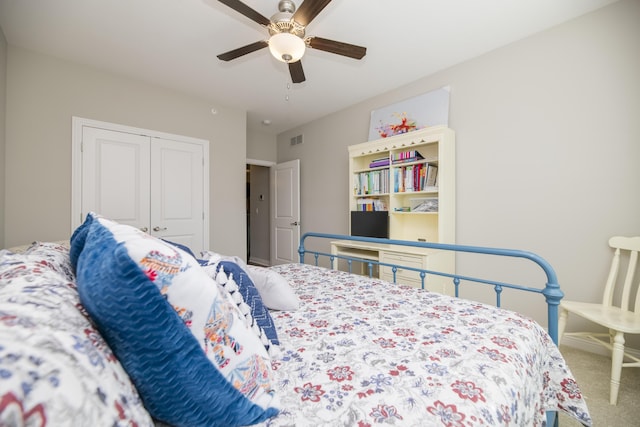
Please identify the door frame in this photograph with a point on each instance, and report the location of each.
(77, 123)
(270, 165)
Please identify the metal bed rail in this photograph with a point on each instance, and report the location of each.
(551, 290)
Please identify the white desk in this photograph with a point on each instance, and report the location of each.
(402, 256)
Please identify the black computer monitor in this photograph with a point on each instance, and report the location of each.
(370, 224)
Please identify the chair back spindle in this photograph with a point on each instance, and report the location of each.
(631, 244)
(607, 296)
(628, 282)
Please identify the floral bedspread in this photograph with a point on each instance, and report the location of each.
(363, 352)
(55, 368)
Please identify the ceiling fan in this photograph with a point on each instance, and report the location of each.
(287, 41)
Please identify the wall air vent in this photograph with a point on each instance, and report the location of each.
(296, 140)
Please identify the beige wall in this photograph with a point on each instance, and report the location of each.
(43, 93)
(548, 142)
(3, 98)
(261, 146)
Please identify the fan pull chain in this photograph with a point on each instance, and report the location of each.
(286, 96)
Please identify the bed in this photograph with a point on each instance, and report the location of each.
(355, 351)
(362, 351)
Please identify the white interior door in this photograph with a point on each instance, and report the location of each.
(177, 180)
(115, 176)
(285, 236)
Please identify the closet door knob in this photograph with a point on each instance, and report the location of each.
(144, 229)
(156, 228)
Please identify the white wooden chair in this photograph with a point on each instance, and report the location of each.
(618, 319)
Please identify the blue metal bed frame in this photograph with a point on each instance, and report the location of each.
(551, 291)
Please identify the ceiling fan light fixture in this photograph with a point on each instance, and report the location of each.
(286, 47)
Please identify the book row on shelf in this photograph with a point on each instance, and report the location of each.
(379, 163)
(406, 156)
(406, 178)
(402, 157)
(371, 182)
(415, 177)
(368, 205)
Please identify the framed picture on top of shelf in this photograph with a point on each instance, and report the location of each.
(428, 109)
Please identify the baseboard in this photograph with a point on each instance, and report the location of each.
(259, 261)
(592, 347)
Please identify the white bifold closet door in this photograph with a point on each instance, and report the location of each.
(151, 183)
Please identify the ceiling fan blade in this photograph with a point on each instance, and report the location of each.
(308, 10)
(296, 71)
(340, 48)
(242, 8)
(236, 53)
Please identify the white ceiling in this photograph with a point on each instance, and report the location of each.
(174, 43)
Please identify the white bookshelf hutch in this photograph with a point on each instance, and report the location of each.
(436, 146)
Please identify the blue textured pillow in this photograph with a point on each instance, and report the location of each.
(252, 298)
(155, 339)
(78, 238)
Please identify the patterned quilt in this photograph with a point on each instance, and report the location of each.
(363, 352)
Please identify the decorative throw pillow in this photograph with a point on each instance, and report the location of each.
(214, 258)
(78, 239)
(53, 362)
(274, 289)
(237, 282)
(184, 343)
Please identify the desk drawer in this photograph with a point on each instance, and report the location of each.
(411, 280)
(402, 275)
(409, 260)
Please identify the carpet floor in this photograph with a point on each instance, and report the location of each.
(593, 373)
